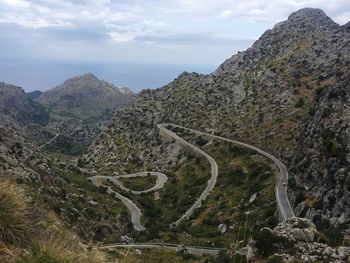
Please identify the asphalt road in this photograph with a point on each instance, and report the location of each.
(283, 204)
(211, 182)
(134, 210)
(196, 250)
(161, 180)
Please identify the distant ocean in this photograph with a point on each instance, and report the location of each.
(43, 75)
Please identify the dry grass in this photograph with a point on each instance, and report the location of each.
(56, 250)
(14, 226)
(19, 244)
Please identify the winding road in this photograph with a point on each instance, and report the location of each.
(284, 207)
(132, 207)
(196, 250)
(211, 182)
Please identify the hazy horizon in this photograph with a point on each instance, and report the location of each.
(132, 75)
(138, 44)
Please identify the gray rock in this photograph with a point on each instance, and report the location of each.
(222, 228)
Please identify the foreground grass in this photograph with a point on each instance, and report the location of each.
(156, 256)
(30, 235)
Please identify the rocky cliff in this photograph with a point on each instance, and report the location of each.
(321, 166)
(18, 109)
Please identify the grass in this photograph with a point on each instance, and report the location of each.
(14, 227)
(90, 221)
(156, 256)
(139, 183)
(48, 242)
(56, 250)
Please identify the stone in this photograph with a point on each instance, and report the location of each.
(252, 198)
(222, 228)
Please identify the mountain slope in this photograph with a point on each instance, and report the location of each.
(321, 166)
(262, 95)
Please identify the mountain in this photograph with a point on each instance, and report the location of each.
(85, 98)
(17, 108)
(288, 94)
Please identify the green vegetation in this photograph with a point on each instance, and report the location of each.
(77, 194)
(14, 228)
(242, 173)
(139, 183)
(157, 256)
(275, 259)
(55, 249)
(300, 103)
(63, 145)
(47, 242)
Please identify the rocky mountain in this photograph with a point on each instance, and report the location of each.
(75, 110)
(288, 94)
(321, 166)
(17, 108)
(84, 98)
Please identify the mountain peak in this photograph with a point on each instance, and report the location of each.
(314, 17)
(89, 76)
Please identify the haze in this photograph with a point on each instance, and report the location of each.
(139, 44)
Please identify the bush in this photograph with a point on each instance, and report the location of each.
(264, 242)
(223, 257)
(14, 227)
(55, 249)
(300, 103)
(275, 259)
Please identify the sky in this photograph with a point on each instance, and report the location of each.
(134, 43)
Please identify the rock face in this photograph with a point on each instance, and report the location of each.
(284, 93)
(298, 239)
(321, 169)
(17, 108)
(20, 159)
(84, 98)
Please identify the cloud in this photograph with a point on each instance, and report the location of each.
(204, 38)
(86, 29)
(121, 37)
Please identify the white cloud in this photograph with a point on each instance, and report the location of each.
(122, 37)
(15, 3)
(226, 13)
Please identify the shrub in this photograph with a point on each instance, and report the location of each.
(300, 103)
(14, 227)
(275, 259)
(55, 249)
